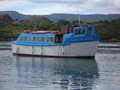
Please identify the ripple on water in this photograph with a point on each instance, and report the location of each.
(31, 73)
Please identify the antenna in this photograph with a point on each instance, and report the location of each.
(78, 17)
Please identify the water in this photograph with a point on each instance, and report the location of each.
(31, 73)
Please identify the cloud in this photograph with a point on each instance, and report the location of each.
(117, 3)
(8, 4)
(57, 8)
(62, 6)
(98, 6)
(56, 1)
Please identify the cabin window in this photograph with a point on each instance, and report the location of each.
(79, 31)
(31, 39)
(50, 39)
(23, 38)
(59, 38)
(40, 39)
(89, 31)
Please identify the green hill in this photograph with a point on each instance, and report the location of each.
(15, 15)
(108, 30)
(5, 18)
(14, 28)
(36, 23)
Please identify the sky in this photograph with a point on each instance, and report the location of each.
(46, 7)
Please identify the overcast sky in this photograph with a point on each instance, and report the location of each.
(45, 7)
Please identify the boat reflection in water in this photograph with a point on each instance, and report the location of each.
(55, 73)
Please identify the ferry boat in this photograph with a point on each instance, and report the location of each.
(81, 42)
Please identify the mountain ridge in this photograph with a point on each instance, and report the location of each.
(5, 18)
(15, 14)
(84, 18)
(69, 17)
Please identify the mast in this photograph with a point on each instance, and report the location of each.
(79, 19)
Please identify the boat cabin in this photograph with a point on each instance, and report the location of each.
(78, 34)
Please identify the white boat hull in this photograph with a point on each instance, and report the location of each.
(83, 49)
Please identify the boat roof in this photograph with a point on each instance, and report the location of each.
(83, 26)
(42, 32)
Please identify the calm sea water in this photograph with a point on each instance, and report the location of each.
(31, 73)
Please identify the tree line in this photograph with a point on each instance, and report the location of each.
(108, 30)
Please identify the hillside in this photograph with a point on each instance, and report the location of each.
(35, 20)
(5, 18)
(14, 15)
(108, 30)
(84, 18)
(12, 29)
(69, 17)
(34, 23)
(9, 29)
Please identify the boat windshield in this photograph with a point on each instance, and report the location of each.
(79, 31)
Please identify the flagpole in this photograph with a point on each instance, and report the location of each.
(78, 17)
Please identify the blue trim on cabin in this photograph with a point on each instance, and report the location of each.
(67, 38)
(82, 39)
(38, 44)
